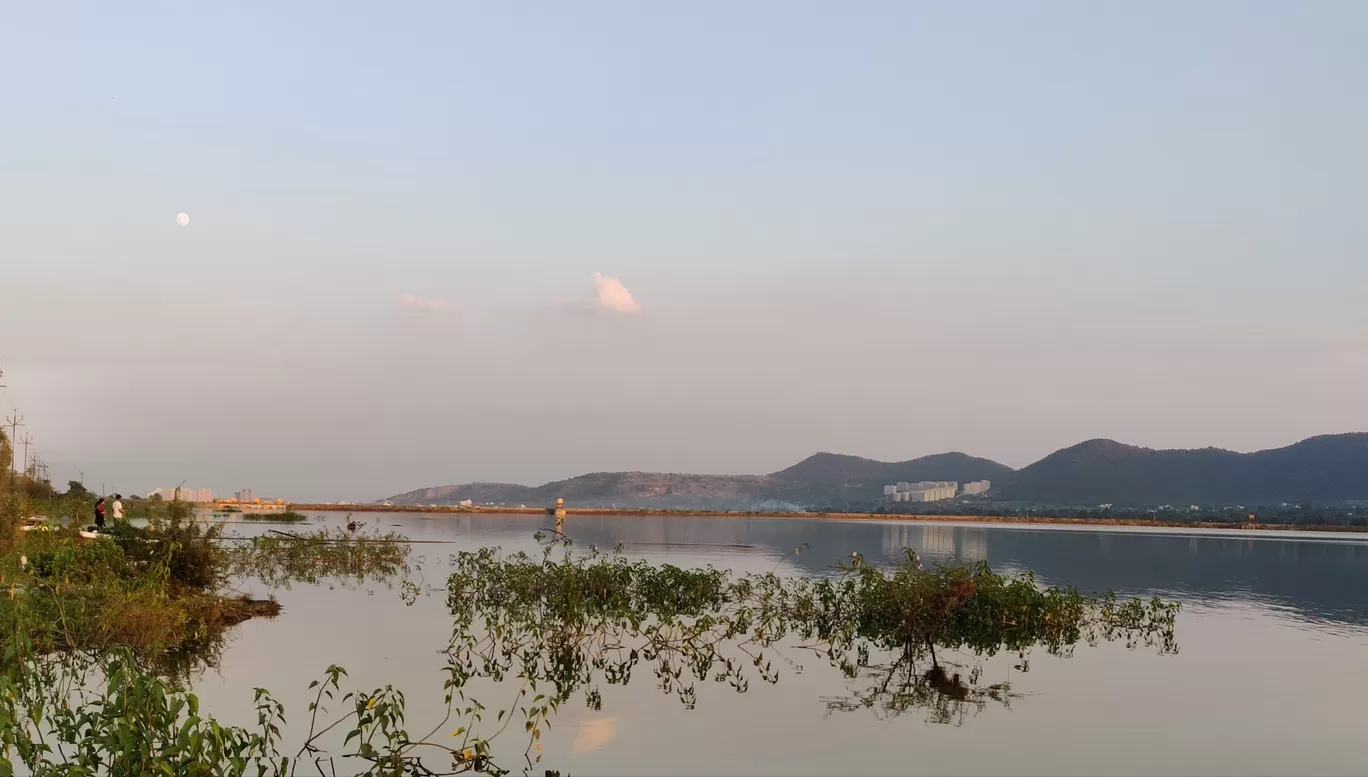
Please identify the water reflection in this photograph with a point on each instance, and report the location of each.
(947, 694)
(1239, 592)
(593, 734)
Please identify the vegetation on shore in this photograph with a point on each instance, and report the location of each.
(161, 589)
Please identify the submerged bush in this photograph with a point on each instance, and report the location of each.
(285, 516)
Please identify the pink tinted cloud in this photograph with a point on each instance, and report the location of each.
(610, 294)
(422, 303)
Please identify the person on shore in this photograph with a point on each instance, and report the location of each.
(118, 508)
(99, 513)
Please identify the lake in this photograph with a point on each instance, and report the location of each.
(1269, 678)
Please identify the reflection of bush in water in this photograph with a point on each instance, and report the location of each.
(945, 694)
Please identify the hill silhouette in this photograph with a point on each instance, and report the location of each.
(834, 479)
(1326, 469)
(821, 479)
(1329, 468)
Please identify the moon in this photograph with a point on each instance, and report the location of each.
(183, 219)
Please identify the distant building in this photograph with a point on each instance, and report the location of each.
(198, 495)
(977, 487)
(922, 491)
(246, 495)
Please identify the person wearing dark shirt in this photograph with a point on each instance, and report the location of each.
(99, 513)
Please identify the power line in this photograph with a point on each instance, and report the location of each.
(14, 422)
(26, 442)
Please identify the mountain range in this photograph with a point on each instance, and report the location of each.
(1329, 468)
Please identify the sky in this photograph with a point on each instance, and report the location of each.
(435, 242)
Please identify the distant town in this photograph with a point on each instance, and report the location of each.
(206, 496)
(933, 490)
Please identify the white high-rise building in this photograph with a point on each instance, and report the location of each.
(201, 495)
(977, 487)
(922, 491)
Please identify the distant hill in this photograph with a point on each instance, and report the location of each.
(1330, 468)
(822, 479)
(833, 479)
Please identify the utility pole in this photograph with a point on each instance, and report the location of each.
(14, 422)
(82, 477)
(26, 442)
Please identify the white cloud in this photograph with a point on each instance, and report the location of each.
(610, 294)
(422, 303)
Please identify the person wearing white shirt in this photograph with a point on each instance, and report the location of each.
(118, 508)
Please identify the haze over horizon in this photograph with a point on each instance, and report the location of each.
(438, 243)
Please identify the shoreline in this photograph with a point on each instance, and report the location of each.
(665, 513)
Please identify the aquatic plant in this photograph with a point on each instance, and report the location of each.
(285, 516)
(281, 558)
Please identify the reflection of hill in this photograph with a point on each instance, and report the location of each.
(1316, 578)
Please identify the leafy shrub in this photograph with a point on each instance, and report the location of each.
(186, 548)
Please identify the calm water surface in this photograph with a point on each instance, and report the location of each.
(1270, 677)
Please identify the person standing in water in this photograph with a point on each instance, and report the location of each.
(99, 513)
(118, 508)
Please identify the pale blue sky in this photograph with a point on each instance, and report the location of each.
(886, 229)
